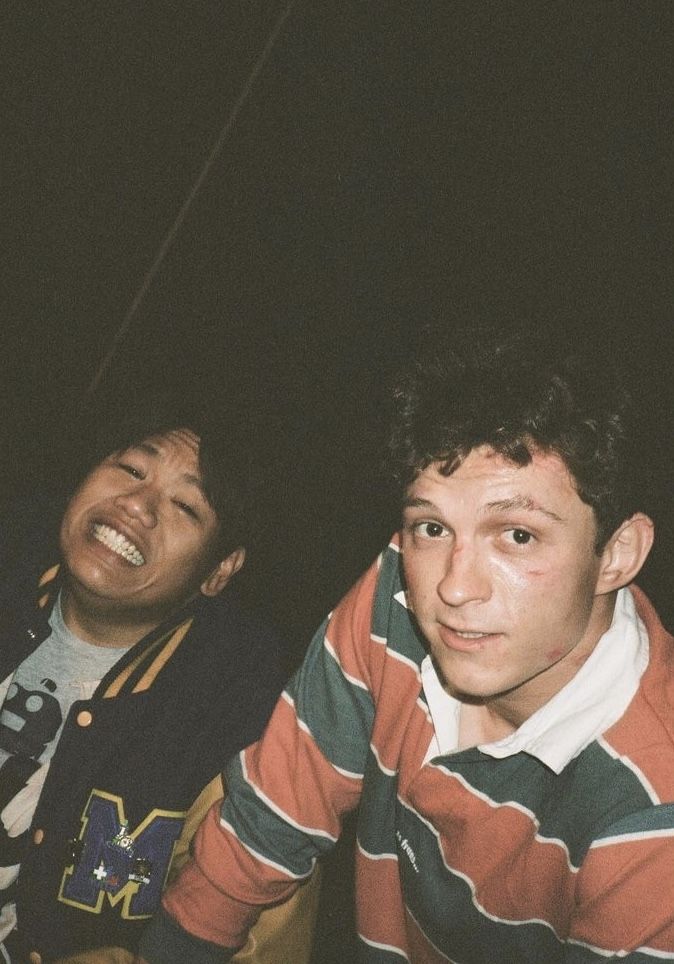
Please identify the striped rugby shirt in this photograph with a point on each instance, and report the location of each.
(467, 858)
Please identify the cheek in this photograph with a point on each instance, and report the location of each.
(542, 601)
(523, 579)
(82, 501)
(186, 557)
(412, 594)
(562, 614)
(422, 574)
(68, 531)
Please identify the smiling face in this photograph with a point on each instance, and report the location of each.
(138, 537)
(503, 578)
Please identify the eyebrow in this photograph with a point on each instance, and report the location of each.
(521, 503)
(149, 449)
(417, 504)
(516, 503)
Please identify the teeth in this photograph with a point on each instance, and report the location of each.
(470, 635)
(115, 540)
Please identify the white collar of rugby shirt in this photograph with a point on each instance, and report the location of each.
(585, 708)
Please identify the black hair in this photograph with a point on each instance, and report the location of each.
(223, 455)
(518, 393)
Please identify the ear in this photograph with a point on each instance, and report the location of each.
(216, 581)
(625, 553)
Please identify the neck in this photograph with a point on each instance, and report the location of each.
(478, 724)
(102, 628)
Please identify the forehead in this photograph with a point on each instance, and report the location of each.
(485, 479)
(176, 447)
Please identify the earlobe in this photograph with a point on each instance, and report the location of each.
(223, 572)
(625, 553)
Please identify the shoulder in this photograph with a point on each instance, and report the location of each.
(656, 690)
(379, 588)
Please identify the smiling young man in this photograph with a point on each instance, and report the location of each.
(130, 678)
(140, 539)
(494, 695)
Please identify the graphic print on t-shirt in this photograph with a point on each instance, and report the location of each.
(30, 719)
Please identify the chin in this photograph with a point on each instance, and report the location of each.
(472, 690)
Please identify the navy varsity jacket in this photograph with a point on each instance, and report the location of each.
(130, 761)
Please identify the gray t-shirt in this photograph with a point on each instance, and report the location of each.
(35, 703)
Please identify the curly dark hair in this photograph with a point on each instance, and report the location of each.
(518, 394)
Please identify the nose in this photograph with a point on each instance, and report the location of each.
(140, 503)
(465, 578)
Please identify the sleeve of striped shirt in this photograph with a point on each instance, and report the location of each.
(288, 793)
(625, 906)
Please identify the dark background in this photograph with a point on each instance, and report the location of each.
(394, 162)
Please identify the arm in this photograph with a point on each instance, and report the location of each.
(625, 902)
(288, 794)
(285, 930)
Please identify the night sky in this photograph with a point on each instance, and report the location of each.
(394, 162)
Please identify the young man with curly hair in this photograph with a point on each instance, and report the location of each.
(494, 695)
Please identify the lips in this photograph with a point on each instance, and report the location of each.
(118, 543)
(465, 640)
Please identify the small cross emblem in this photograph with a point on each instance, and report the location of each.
(100, 873)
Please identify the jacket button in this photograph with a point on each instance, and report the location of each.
(35, 958)
(84, 718)
(31, 633)
(38, 837)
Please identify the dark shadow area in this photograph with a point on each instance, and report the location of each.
(335, 942)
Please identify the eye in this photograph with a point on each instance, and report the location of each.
(429, 530)
(130, 469)
(186, 509)
(519, 536)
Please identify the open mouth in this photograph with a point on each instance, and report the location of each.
(118, 544)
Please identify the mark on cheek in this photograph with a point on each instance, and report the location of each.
(554, 654)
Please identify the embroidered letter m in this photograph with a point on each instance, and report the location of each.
(120, 864)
